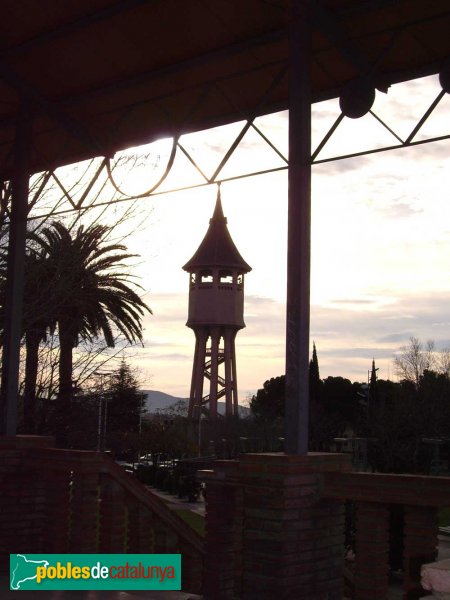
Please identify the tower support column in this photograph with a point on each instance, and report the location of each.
(194, 376)
(228, 374)
(199, 360)
(234, 372)
(215, 340)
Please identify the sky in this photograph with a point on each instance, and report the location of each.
(380, 242)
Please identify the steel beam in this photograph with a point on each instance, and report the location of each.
(73, 26)
(340, 40)
(299, 233)
(12, 332)
(49, 108)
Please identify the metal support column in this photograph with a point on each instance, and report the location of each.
(299, 233)
(234, 373)
(194, 376)
(215, 342)
(229, 409)
(15, 275)
(199, 359)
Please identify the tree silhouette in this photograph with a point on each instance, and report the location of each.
(37, 320)
(88, 291)
(316, 438)
(412, 360)
(268, 403)
(126, 401)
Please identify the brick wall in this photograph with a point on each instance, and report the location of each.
(22, 499)
(59, 501)
(373, 493)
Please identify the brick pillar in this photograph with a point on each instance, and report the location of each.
(22, 497)
(237, 539)
(192, 569)
(84, 512)
(223, 532)
(421, 540)
(159, 537)
(146, 533)
(166, 540)
(113, 516)
(293, 541)
(56, 533)
(172, 541)
(22, 515)
(372, 551)
(288, 541)
(139, 535)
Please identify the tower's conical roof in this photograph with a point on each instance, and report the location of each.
(217, 248)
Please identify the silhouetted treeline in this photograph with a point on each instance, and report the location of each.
(406, 424)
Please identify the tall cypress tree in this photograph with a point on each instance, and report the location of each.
(315, 402)
(125, 400)
(373, 390)
(314, 375)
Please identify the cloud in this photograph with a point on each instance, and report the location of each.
(348, 332)
(155, 343)
(171, 356)
(394, 338)
(347, 339)
(253, 300)
(340, 167)
(397, 317)
(377, 321)
(353, 301)
(401, 210)
(357, 352)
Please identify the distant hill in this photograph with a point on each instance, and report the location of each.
(160, 402)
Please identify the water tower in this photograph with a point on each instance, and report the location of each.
(216, 313)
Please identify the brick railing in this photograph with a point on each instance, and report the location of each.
(59, 501)
(372, 494)
(275, 528)
(269, 534)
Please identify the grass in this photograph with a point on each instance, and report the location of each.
(444, 517)
(193, 519)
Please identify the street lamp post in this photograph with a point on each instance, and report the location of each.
(102, 412)
(140, 428)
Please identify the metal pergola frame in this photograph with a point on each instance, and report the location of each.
(305, 18)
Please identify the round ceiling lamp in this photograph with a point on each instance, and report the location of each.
(357, 98)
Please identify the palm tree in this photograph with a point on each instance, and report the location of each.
(89, 292)
(37, 319)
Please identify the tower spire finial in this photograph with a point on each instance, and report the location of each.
(217, 248)
(218, 215)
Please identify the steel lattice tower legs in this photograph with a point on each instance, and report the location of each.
(208, 364)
